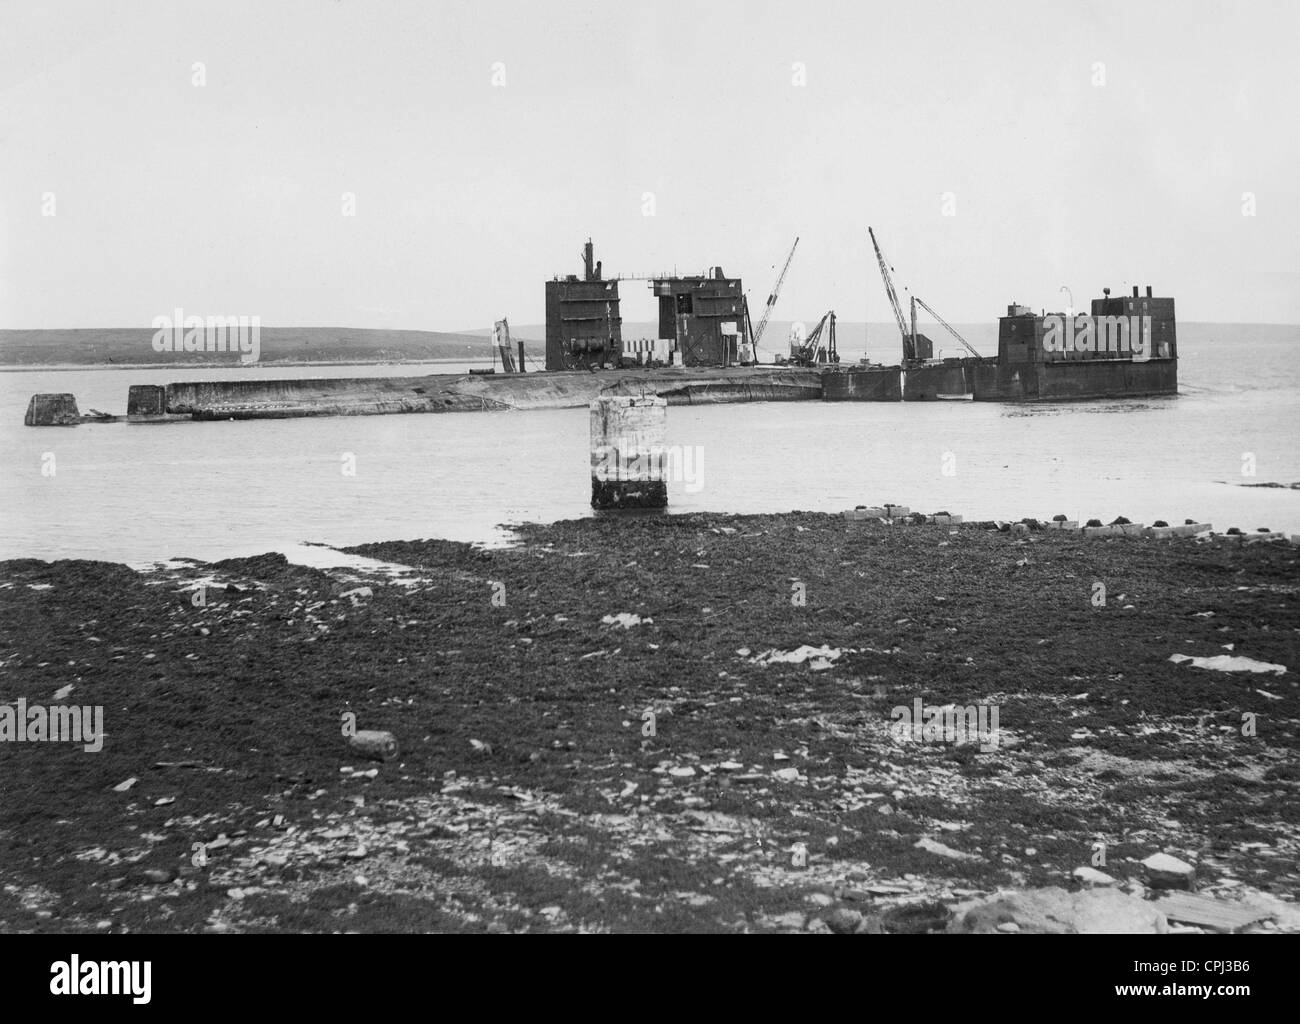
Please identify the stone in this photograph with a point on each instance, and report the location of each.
(1091, 876)
(931, 846)
(375, 744)
(1166, 872)
(843, 921)
(1053, 911)
(1218, 915)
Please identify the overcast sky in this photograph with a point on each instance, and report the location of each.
(1080, 144)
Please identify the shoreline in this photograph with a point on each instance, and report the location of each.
(268, 364)
(767, 794)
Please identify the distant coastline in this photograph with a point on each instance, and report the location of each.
(132, 347)
(265, 364)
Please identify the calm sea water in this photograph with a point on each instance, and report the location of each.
(139, 494)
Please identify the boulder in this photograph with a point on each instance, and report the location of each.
(1057, 912)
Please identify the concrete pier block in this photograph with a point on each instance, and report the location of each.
(52, 411)
(1063, 524)
(1160, 532)
(1192, 529)
(629, 455)
(1100, 531)
(1131, 529)
(146, 400)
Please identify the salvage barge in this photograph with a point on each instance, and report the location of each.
(1126, 348)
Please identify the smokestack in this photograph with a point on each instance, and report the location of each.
(1135, 291)
(598, 266)
(1148, 291)
(588, 267)
(521, 357)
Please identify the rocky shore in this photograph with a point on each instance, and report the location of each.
(664, 723)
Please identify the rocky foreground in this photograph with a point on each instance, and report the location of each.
(664, 723)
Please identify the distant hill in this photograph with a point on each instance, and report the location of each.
(127, 346)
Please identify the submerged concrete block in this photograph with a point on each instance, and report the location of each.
(629, 454)
(52, 411)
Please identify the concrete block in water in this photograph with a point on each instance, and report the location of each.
(146, 400)
(629, 454)
(1131, 529)
(52, 411)
(1160, 532)
(1192, 529)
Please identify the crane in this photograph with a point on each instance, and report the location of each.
(771, 299)
(909, 350)
(951, 330)
(814, 350)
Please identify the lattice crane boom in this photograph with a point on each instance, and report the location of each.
(772, 297)
(908, 349)
(944, 323)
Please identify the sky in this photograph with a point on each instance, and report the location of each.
(429, 165)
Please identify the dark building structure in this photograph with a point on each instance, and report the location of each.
(703, 316)
(583, 327)
(1125, 347)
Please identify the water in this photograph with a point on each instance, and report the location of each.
(144, 493)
